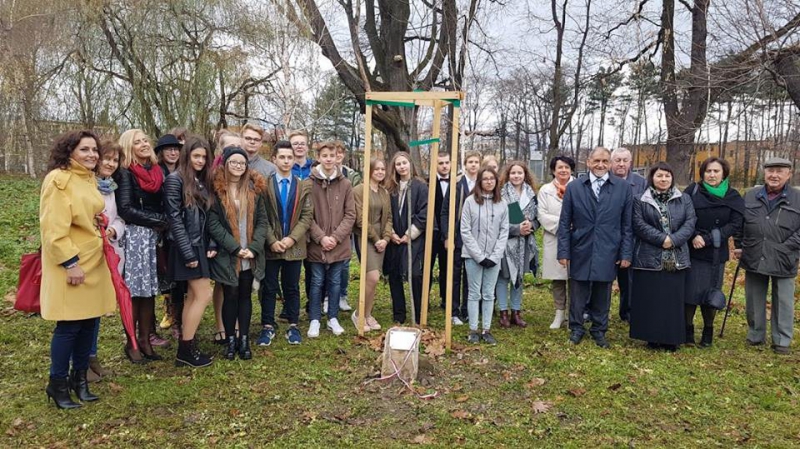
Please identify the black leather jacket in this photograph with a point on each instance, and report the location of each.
(187, 225)
(650, 236)
(136, 206)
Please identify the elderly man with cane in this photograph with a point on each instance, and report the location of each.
(595, 236)
(770, 249)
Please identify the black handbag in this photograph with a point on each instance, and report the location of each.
(713, 297)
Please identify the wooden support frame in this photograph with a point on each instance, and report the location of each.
(437, 100)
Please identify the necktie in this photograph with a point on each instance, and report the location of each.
(598, 184)
(284, 206)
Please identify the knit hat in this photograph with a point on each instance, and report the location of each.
(230, 151)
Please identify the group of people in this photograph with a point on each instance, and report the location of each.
(180, 218)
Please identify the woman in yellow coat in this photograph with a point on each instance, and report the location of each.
(76, 282)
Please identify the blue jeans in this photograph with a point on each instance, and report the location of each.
(482, 282)
(326, 279)
(71, 340)
(96, 336)
(345, 279)
(503, 284)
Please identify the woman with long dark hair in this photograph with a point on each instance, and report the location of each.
(720, 215)
(238, 223)
(517, 187)
(409, 199)
(663, 220)
(484, 231)
(139, 201)
(188, 198)
(76, 282)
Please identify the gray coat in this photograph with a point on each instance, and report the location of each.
(520, 250)
(771, 236)
(484, 230)
(650, 235)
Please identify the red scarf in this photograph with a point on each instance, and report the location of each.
(149, 180)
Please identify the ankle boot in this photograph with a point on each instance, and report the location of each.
(189, 355)
(516, 319)
(58, 391)
(244, 348)
(80, 385)
(558, 320)
(708, 337)
(230, 348)
(504, 319)
(95, 366)
(92, 376)
(690, 336)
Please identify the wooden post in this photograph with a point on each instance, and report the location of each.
(451, 220)
(427, 262)
(362, 284)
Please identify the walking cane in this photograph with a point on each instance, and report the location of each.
(730, 298)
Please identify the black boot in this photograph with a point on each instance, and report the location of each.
(79, 384)
(708, 337)
(690, 336)
(189, 355)
(230, 347)
(244, 348)
(58, 391)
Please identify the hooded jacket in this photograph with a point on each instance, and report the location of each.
(334, 215)
(484, 229)
(223, 226)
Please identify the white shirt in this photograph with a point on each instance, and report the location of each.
(444, 185)
(470, 183)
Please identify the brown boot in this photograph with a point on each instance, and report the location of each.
(516, 319)
(94, 366)
(504, 319)
(92, 376)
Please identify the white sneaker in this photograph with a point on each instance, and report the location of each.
(558, 320)
(325, 305)
(343, 305)
(313, 329)
(457, 321)
(334, 326)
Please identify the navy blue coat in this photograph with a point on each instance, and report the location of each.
(638, 184)
(593, 235)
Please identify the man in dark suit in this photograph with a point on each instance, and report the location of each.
(594, 236)
(441, 183)
(621, 164)
(462, 188)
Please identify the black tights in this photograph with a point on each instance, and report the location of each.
(708, 314)
(238, 305)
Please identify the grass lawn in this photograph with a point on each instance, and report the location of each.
(533, 388)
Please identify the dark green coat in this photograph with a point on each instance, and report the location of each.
(224, 229)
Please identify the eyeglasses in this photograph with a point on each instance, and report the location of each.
(237, 164)
(177, 149)
(253, 139)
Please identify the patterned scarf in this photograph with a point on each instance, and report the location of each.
(520, 250)
(106, 186)
(668, 260)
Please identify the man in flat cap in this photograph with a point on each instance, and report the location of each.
(770, 249)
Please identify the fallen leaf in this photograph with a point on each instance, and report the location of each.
(11, 296)
(615, 387)
(18, 422)
(462, 399)
(461, 414)
(422, 439)
(507, 375)
(577, 392)
(535, 382)
(542, 406)
(116, 388)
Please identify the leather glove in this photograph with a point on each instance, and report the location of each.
(487, 263)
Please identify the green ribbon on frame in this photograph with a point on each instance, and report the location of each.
(401, 104)
(416, 143)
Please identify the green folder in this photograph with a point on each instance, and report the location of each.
(515, 215)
